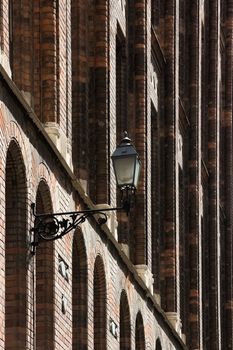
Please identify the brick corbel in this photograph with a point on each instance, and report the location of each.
(4, 61)
(59, 139)
(174, 319)
(146, 275)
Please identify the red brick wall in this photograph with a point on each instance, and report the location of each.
(64, 61)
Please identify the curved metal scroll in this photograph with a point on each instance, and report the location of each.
(52, 226)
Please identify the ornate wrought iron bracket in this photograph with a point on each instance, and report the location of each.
(52, 226)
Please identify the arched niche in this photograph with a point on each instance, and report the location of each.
(15, 249)
(79, 292)
(139, 333)
(44, 278)
(158, 345)
(125, 326)
(100, 326)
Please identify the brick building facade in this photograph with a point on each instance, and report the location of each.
(74, 74)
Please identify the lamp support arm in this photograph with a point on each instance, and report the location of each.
(52, 226)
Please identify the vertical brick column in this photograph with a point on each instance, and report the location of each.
(37, 59)
(22, 48)
(48, 47)
(125, 237)
(4, 30)
(213, 154)
(140, 130)
(182, 158)
(82, 109)
(228, 302)
(64, 65)
(194, 168)
(169, 255)
(90, 46)
(102, 99)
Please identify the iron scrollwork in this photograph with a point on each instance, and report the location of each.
(52, 226)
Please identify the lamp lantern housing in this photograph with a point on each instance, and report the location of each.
(126, 164)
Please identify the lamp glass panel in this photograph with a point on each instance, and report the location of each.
(137, 172)
(124, 169)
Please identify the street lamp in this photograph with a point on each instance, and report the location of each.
(126, 164)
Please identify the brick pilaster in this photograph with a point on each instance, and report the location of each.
(102, 99)
(194, 180)
(48, 47)
(4, 27)
(227, 124)
(22, 48)
(213, 154)
(169, 255)
(140, 129)
(82, 72)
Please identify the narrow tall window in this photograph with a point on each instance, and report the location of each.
(15, 251)
(139, 333)
(100, 326)
(79, 293)
(44, 278)
(125, 329)
(158, 345)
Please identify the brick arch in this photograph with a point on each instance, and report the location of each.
(158, 345)
(13, 133)
(43, 198)
(44, 319)
(79, 292)
(100, 299)
(139, 333)
(15, 249)
(125, 326)
(44, 173)
(2, 124)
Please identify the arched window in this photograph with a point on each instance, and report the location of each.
(99, 306)
(158, 345)
(139, 333)
(79, 293)
(125, 328)
(15, 250)
(44, 278)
